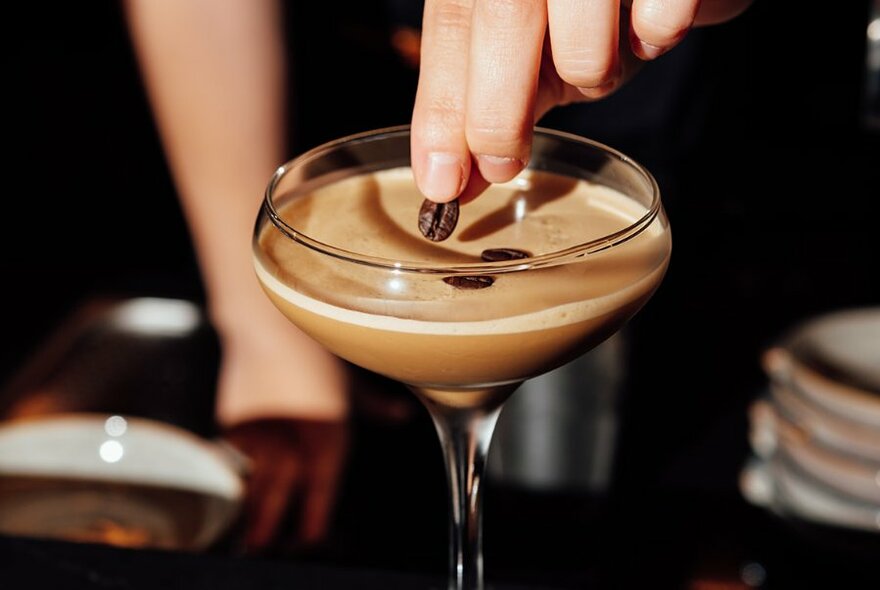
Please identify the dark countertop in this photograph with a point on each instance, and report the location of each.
(42, 564)
(676, 542)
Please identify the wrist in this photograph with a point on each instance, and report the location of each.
(270, 369)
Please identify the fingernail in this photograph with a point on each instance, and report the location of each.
(443, 177)
(606, 87)
(498, 168)
(647, 51)
(600, 91)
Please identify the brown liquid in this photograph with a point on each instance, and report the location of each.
(416, 328)
(122, 514)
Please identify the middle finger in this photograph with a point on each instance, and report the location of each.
(505, 57)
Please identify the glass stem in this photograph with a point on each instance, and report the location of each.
(465, 434)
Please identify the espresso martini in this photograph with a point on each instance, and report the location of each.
(412, 325)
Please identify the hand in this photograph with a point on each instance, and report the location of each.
(296, 463)
(488, 72)
(293, 464)
(283, 401)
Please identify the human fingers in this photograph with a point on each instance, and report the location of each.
(325, 445)
(583, 40)
(656, 26)
(270, 492)
(554, 91)
(475, 186)
(505, 57)
(440, 159)
(277, 468)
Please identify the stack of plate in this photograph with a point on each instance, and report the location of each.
(816, 433)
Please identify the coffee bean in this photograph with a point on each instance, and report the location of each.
(478, 282)
(500, 254)
(437, 220)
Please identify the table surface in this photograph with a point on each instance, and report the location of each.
(722, 545)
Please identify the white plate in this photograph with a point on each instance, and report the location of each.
(114, 478)
(774, 436)
(848, 341)
(826, 428)
(773, 485)
(834, 361)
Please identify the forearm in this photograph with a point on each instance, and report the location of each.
(215, 75)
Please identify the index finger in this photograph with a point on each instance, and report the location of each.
(440, 159)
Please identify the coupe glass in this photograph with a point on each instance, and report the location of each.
(344, 261)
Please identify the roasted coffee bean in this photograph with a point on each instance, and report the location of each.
(437, 220)
(477, 282)
(500, 254)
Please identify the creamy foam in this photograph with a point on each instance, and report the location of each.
(540, 320)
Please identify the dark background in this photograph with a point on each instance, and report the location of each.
(770, 178)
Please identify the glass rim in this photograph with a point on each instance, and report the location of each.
(569, 254)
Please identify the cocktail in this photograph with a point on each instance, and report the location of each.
(539, 270)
